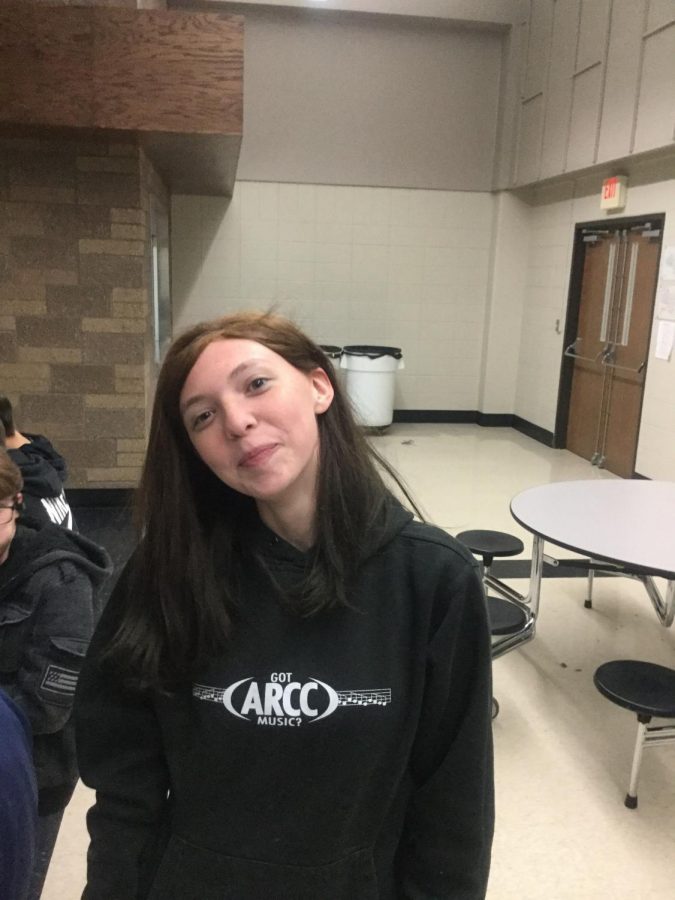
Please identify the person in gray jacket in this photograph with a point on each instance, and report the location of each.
(43, 470)
(48, 611)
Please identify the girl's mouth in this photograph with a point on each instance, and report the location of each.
(258, 456)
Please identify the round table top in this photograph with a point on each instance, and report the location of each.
(624, 521)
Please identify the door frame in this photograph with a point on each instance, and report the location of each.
(572, 313)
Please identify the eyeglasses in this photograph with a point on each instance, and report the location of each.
(7, 513)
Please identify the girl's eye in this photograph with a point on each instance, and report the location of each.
(258, 383)
(201, 419)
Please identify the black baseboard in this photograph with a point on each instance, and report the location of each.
(473, 417)
(495, 420)
(84, 498)
(453, 416)
(533, 431)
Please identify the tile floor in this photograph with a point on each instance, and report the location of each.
(562, 751)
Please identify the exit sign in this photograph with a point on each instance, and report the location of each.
(614, 191)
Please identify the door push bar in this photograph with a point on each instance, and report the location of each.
(605, 357)
(636, 371)
(571, 352)
(608, 360)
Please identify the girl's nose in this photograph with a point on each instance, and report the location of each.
(238, 419)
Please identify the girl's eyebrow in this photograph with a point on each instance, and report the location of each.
(198, 398)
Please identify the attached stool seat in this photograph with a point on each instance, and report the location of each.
(505, 617)
(489, 544)
(509, 619)
(648, 690)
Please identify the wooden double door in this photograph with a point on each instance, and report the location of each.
(619, 268)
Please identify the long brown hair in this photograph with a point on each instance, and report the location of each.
(176, 610)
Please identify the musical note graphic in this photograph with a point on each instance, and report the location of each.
(204, 692)
(378, 697)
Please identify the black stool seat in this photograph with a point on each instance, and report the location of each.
(642, 687)
(508, 622)
(505, 617)
(489, 544)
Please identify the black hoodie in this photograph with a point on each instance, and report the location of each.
(346, 756)
(48, 610)
(44, 473)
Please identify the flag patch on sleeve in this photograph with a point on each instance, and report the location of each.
(58, 680)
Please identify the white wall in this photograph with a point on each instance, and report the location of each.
(470, 285)
(549, 239)
(506, 303)
(408, 268)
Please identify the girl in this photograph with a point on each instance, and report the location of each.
(289, 693)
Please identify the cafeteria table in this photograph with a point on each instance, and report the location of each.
(625, 527)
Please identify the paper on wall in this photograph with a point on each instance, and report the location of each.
(665, 300)
(665, 291)
(667, 267)
(665, 335)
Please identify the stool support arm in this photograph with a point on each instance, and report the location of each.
(665, 609)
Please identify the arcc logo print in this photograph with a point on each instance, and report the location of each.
(283, 700)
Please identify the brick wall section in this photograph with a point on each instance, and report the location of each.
(75, 318)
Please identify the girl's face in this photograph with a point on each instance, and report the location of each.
(251, 417)
(8, 519)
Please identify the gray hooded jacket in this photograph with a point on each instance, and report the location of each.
(48, 610)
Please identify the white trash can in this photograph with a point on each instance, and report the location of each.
(370, 373)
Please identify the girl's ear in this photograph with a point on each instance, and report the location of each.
(323, 391)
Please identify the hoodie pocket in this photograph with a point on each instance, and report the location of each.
(187, 872)
(15, 626)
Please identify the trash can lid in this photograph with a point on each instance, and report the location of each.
(331, 351)
(372, 351)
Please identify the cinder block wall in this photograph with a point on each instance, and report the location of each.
(75, 325)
